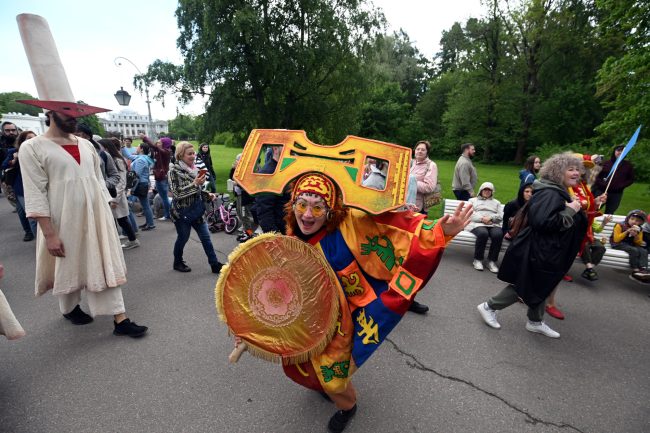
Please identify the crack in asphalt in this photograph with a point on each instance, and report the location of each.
(417, 364)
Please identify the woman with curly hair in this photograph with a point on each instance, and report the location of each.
(542, 252)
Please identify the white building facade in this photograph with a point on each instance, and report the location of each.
(26, 122)
(129, 123)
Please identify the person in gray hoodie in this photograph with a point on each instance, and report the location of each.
(486, 223)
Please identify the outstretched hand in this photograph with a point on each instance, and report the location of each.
(454, 224)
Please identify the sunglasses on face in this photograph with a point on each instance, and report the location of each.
(317, 210)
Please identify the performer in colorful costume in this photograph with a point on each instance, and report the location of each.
(381, 262)
(591, 249)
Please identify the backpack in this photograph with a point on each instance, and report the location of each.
(131, 179)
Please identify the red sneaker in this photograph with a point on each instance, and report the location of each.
(554, 312)
(568, 278)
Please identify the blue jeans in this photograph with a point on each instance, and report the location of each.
(133, 222)
(146, 209)
(183, 229)
(29, 224)
(132, 199)
(162, 186)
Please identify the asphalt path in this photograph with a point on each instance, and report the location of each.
(442, 372)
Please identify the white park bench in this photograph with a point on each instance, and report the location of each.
(612, 258)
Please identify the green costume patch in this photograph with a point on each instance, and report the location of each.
(386, 253)
(337, 370)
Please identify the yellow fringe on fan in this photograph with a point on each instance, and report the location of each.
(303, 248)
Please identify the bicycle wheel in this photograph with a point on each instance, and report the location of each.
(232, 224)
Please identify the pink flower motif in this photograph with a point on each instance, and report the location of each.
(275, 297)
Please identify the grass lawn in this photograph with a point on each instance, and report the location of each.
(504, 177)
(506, 183)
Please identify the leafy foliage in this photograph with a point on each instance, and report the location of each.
(8, 104)
(527, 76)
(271, 64)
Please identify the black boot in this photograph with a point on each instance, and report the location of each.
(78, 317)
(181, 267)
(132, 329)
(340, 419)
(216, 268)
(418, 308)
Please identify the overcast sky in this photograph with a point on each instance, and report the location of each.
(91, 34)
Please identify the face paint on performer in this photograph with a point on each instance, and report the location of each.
(310, 211)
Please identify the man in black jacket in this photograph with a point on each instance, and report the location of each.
(7, 139)
(270, 207)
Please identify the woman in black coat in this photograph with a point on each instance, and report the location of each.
(542, 252)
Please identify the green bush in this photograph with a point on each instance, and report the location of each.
(224, 138)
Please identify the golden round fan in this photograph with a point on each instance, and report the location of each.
(280, 296)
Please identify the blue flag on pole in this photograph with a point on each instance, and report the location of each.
(626, 150)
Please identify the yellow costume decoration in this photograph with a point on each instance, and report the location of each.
(343, 163)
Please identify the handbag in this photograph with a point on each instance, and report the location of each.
(131, 180)
(434, 197)
(194, 211)
(141, 190)
(9, 176)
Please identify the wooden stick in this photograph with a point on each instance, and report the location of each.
(237, 352)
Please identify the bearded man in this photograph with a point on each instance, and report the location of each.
(77, 244)
(7, 140)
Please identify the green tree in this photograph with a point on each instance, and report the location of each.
(93, 123)
(8, 104)
(184, 127)
(282, 64)
(623, 82)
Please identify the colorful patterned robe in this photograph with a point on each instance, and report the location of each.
(588, 202)
(381, 262)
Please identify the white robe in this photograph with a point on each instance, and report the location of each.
(75, 198)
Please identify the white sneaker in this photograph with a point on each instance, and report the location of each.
(493, 267)
(129, 245)
(163, 219)
(478, 265)
(489, 315)
(541, 328)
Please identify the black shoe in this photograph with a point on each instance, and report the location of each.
(181, 267)
(590, 274)
(216, 268)
(418, 308)
(28, 237)
(78, 317)
(340, 419)
(145, 227)
(132, 329)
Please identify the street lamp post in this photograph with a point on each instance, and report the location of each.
(151, 132)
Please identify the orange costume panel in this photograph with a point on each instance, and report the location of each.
(381, 262)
